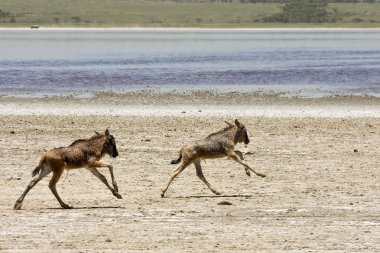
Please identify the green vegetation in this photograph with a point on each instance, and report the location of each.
(190, 13)
(301, 11)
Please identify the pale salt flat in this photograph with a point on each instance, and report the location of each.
(334, 111)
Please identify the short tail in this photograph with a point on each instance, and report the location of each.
(178, 160)
(39, 167)
(36, 171)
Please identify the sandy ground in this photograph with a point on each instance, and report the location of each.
(321, 191)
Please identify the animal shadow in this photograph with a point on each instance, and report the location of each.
(88, 207)
(215, 196)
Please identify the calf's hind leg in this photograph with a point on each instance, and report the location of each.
(180, 168)
(57, 173)
(44, 171)
(198, 168)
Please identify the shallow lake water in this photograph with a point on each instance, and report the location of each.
(316, 62)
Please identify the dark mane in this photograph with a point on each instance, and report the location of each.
(96, 136)
(220, 131)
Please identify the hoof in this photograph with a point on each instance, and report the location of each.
(216, 192)
(67, 206)
(117, 195)
(162, 194)
(261, 175)
(248, 173)
(17, 206)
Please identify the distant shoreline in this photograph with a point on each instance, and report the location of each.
(186, 29)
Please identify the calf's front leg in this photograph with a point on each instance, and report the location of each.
(240, 154)
(92, 167)
(236, 157)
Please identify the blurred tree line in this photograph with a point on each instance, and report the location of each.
(4, 14)
(295, 11)
(301, 11)
(306, 11)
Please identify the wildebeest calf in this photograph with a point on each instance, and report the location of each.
(216, 145)
(80, 154)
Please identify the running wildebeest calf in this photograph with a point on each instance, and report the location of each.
(80, 154)
(216, 145)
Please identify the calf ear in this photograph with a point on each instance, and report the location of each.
(96, 133)
(237, 123)
(107, 132)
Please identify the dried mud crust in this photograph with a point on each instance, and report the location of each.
(321, 190)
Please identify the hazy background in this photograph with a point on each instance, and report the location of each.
(192, 13)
